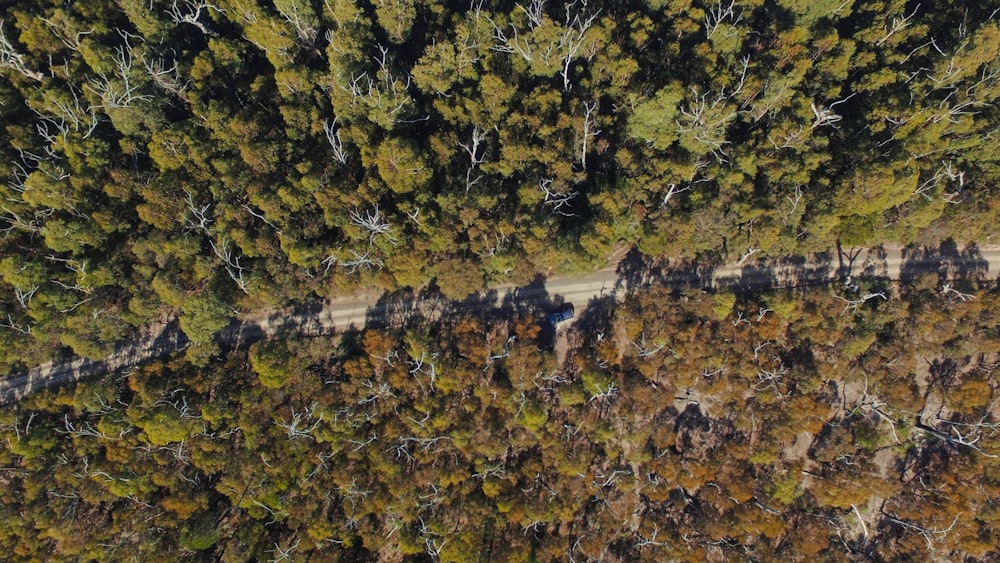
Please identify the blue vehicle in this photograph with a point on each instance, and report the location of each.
(563, 314)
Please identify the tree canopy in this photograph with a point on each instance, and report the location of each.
(266, 153)
(199, 159)
(680, 425)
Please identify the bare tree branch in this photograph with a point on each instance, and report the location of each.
(946, 289)
(120, 90)
(590, 129)
(336, 143)
(898, 24)
(853, 304)
(826, 115)
(556, 200)
(197, 218)
(10, 58)
(298, 426)
(720, 13)
(190, 12)
(230, 262)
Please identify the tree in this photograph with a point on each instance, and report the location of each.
(396, 18)
(203, 315)
(402, 166)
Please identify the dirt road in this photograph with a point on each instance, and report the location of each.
(631, 273)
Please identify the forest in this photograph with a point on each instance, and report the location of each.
(199, 160)
(195, 158)
(682, 425)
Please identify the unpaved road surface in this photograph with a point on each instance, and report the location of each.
(629, 274)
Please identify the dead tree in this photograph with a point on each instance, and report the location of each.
(645, 350)
(260, 216)
(80, 269)
(84, 289)
(336, 143)
(590, 129)
(504, 353)
(305, 30)
(15, 221)
(468, 53)
(534, 12)
(362, 444)
(298, 426)
(83, 429)
(769, 379)
(741, 318)
(874, 404)
(374, 224)
(424, 364)
(358, 261)
(433, 498)
(929, 534)
(721, 13)
(947, 290)
(384, 91)
(478, 136)
(609, 393)
(425, 443)
(197, 218)
(230, 262)
(746, 255)
(10, 58)
(547, 382)
(897, 25)
(794, 140)
(514, 44)
(573, 37)
(795, 204)
(376, 391)
(495, 470)
(70, 38)
(944, 176)
(18, 174)
(962, 433)
(853, 304)
(556, 201)
(707, 121)
(190, 13)
(120, 90)
(166, 78)
(674, 189)
(826, 115)
(475, 159)
(283, 554)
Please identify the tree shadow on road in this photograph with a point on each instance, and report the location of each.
(401, 308)
(948, 261)
(532, 299)
(751, 278)
(637, 271)
(780, 273)
(800, 271)
(301, 320)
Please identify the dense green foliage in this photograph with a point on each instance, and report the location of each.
(786, 430)
(167, 158)
(205, 158)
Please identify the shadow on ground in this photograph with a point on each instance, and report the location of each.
(636, 272)
(407, 307)
(947, 260)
